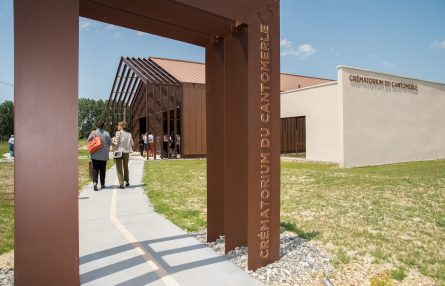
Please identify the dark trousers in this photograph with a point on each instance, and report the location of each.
(99, 168)
(122, 168)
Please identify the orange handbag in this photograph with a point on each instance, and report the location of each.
(95, 144)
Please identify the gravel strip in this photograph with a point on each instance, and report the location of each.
(6, 277)
(300, 262)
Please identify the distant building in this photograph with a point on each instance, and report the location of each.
(370, 118)
(168, 97)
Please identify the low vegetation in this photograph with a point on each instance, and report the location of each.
(385, 214)
(6, 207)
(7, 198)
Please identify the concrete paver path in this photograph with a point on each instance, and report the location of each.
(124, 242)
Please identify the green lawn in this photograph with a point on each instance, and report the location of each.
(6, 207)
(177, 188)
(4, 148)
(389, 214)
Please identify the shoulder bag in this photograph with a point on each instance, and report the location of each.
(95, 144)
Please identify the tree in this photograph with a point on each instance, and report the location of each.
(6, 118)
(90, 111)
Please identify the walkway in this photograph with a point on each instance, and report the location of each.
(124, 242)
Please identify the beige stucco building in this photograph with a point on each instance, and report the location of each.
(370, 118)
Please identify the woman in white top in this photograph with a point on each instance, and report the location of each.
(123, 143)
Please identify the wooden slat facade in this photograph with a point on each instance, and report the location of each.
(194, 120)
(293, 135)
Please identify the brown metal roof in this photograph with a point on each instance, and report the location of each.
(133, 72)
(292, 81)
(194, 72)
(183, 71)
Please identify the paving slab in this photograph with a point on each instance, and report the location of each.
(123, 241)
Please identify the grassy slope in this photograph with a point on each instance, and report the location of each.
(393, 213)
(6, 207)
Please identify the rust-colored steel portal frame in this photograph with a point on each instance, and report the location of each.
(241, 38)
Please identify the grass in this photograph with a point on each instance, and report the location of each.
(398, 274)
(6, 194)
(4, 148)
(391, 214)
(6, 207)
(177, 189)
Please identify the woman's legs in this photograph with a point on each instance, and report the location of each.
(96, 169)
(125, 158)
(102, 171)
(119, 170)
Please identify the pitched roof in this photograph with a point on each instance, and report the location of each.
(183, 71)
(194, 72)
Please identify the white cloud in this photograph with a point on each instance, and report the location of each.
(116, 35)
(109, 27)
(86, 25)
(301, 52)
(388, 64)
(139, 33)
(439, 44)
(285, 43)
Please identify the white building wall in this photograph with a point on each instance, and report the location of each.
(320, 105)
(382, 124)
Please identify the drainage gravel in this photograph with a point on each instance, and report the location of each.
(300, 263)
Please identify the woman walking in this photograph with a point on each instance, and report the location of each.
(123, 145)
(100, 157)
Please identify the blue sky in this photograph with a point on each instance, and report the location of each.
(400, 37)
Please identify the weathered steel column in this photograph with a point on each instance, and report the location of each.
(215, 139)
(264, 137)
(46, 37)
(235, 138)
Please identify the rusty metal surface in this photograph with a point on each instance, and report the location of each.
(235, 139)
(193, 120)
(46, 75)
(46, 38)
(183, 71)
(293, 134)
(264, 211)
(214, 69)
(293, 81)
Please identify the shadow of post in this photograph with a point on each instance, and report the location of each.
(157, 256)
(308, 235)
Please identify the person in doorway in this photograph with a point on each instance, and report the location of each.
(172, 146)
(141, 146)
(11, 146)
(100, 157)
(178, 143)
(123, 143)
(144, 137)
(165, 146)
(150, 145)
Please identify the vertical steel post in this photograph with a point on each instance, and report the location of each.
(46, 96)
(264, 137)
(215, 138)
(235, 138)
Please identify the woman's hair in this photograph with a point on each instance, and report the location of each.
(123, 124)
(100, 124)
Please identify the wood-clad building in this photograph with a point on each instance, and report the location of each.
(169, 97)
